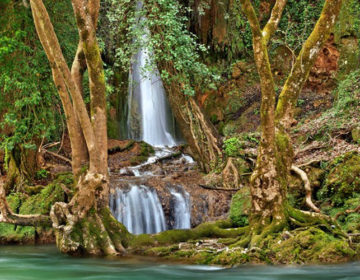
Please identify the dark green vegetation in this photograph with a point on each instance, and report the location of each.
(212, 63)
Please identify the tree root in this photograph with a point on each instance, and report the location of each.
(218, 229)
(307, 187)
(230, 175)
(346, 212)
(92, 230)
(7, 215)
(96, 234)
(305, 218)
(256, 236)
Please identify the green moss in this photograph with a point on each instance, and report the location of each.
(35, 204)
(66, 178)
(343, 180)
(42, 202)
(162, 251)
(309, 245)
(146, 149)
(240, 207)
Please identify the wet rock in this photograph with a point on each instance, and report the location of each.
(126, 172)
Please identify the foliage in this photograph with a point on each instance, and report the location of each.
(347, 93)
(41, 174)
(169, 41)
(232, 146)
(29, 106)
(297, 22)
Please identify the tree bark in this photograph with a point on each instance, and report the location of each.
(268, 181)
(85, 224)
(270, 210)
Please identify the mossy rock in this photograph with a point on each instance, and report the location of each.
(343, 180)
(144, 152)
(240, 207)
(36, 204)
(309, 245)
(11, 233)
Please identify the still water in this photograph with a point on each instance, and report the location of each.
(44, 262)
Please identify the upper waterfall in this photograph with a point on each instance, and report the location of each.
(150, 118)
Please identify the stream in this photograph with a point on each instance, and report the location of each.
(45, 262)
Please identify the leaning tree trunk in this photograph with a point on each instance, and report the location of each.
(85, 224)
(197, 130)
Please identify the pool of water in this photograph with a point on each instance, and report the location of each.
(45, 262)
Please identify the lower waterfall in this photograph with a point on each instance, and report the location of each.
(139, 209)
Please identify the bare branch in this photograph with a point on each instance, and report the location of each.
(57, 156)
(274, 20)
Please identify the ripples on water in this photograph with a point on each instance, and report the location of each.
(44, 262)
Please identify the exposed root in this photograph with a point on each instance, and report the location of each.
(93, 230)
(219, 229)
(7, 215)
(305, 218)
(349, 211)
(307, 187)
(95, 234)
(230, 175)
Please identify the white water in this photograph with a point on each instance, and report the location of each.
(181, 208)
(150, 117)
(139, 209)
(150, 120)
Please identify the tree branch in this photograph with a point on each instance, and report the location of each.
(305, 60)
(47, 34)
(274, 20)
(250, 13)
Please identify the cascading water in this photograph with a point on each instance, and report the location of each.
(150, 117)
(139, 209)
(181, 208)
(150, 120)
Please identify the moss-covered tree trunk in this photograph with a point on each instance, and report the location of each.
(270, 209)
(268, 181)
(84, 225)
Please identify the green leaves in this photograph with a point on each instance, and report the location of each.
(29, 105)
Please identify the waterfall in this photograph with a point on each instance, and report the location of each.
(181, 208)
(139, 209)
(150, 118)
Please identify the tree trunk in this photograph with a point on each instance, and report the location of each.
(84, 225)
(270, 209)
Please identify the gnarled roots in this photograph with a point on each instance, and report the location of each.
(84, 227)
(258, 232)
